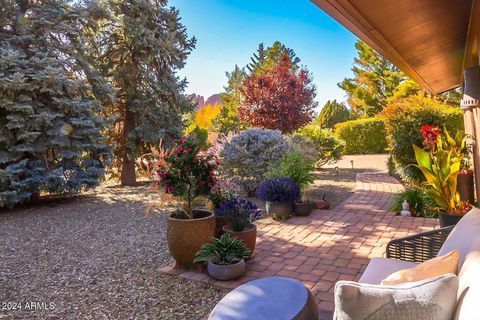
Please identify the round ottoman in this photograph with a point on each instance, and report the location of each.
(267, 298)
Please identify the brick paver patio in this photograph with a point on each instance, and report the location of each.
(327, 245)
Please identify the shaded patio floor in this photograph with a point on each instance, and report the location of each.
(327, 246)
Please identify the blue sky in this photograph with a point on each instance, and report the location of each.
(229, 31)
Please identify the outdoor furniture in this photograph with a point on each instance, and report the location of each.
(408, 251)
(265, 299)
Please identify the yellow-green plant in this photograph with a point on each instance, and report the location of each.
(440, 162)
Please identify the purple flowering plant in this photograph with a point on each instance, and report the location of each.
(240, 213)
(279, 190)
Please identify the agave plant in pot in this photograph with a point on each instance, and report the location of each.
(296, 166)
(224, 256)
(440, 162)
(279, 195)
(240, 214)
(188, 173)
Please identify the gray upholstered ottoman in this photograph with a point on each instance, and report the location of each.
(267, 299)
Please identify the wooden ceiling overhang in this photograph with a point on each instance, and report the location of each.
(430, 40)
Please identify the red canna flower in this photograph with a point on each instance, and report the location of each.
(430, 135)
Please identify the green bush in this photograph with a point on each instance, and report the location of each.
(404, 120)
(417, 199)
(295, 166)
(329, 148)
(363, 136)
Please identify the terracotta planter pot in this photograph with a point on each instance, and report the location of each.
(303, 209)
(249, 236)
(448, 219)
(322, 204)
(465, 186)
(186, 236)
(226, 272)
(279, 210)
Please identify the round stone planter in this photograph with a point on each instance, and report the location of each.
(249, 235)
(279, 210)
(448, 219)
(226, 272)
(186, 236)
(303, 209)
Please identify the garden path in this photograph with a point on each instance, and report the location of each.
(327, 246)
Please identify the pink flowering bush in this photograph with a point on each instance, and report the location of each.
(187, 172)
(222, 191)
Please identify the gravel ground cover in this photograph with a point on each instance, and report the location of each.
(95, 256)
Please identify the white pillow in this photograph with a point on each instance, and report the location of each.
(434, 298)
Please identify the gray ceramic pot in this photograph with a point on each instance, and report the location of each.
(303, 208)
(226, 272)
(279, 210)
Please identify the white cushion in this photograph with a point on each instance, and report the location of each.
(434, 298)
(380, 268)
(469, 286)
(463, 236)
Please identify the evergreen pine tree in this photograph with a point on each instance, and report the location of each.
(228, 120)
(50, 133)
(332, 113)
(140, 52)
(375, 80)
(264, 60)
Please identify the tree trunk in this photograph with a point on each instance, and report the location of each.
(128, 177)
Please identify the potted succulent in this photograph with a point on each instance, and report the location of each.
(296, 166)
(186, 173)
(224, 256)
(222, 191)
(440, 162)
(279, 195)
(240, 214)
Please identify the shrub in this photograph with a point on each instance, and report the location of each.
(222, 191)
(239, 213)
(329, 148)
(391, 166)
(417, 200)
(363, 136)
(224, 251)
(305, 146)
(404, 120)
(279, 190)
(248, 156)
(295, 166)
(186, 172)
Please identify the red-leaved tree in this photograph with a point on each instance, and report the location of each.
(280, 99)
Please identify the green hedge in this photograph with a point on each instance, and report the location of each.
(404, 122)
(363, 136)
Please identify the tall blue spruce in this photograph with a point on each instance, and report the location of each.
(140, 50)
(50, 130)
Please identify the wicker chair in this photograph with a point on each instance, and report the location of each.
(419, 247)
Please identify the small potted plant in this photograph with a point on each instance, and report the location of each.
(221, 192)
(440, 162)
(296, 166)
(186, 173)
(279, 195)
(225, 257)
(240, 214)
